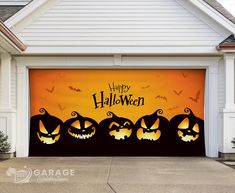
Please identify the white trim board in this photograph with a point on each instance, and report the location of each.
(120, 50)
(206, 18)
(26, 11)
(214, 14)
(108, 62)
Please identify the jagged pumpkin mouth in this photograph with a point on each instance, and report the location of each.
(121, 133)
(152, 135)
(83, 134)
(50, 139)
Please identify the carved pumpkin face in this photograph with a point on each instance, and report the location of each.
(80, 127)
(47, 127)
(150, 127)
(189, 127)
(118, 128)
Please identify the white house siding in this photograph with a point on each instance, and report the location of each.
(118, 23)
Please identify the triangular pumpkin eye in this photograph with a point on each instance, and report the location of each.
(196, 128)
(56, 131)
(87, 124)
(155, 125)
(143, 124)
(184, 124)
(42, 128)
(76, 124)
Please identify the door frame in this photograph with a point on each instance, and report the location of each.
(210, 63)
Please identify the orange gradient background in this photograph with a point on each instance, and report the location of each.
(169, 90)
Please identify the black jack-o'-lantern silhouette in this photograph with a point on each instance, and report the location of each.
(118, 128)
(150, 127)
(188, 126)
(79, 127)
(46, 127)
(182, 135)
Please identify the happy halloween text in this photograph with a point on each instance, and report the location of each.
(117, 96)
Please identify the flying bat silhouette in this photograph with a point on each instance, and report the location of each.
(178, 93)
(196, 98)
(184, 75)
(61, 75)
(61, 107)
(161, 97)
(43, 98)
(144, 87)
(173, 108)
(74, 89)
(50, 90)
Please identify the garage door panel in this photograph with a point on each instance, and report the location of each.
(117, 112)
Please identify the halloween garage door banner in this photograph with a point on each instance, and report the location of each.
(117, 112)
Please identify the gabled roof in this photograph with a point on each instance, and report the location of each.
(211, 7)
(228, 43)
(8, 39)
(217, 6)
(8, 11)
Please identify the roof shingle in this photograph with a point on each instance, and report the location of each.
(217, 6)
(228, 43)
(7, 11)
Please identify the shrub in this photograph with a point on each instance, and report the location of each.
(4, 145)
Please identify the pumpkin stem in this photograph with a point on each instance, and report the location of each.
(42, 110)
(159, 111)
(111, 114)
(188, 110)
(75, 113)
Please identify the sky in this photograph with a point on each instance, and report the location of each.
(71, 90)
(229, 5)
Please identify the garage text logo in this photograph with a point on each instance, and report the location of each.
(26, 174)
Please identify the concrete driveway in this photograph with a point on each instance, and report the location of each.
(115, 175)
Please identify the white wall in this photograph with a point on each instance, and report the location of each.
(13, 84)
(158, 23)
(8, 91)
(228, 113)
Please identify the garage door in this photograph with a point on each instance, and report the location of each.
(117, 112)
